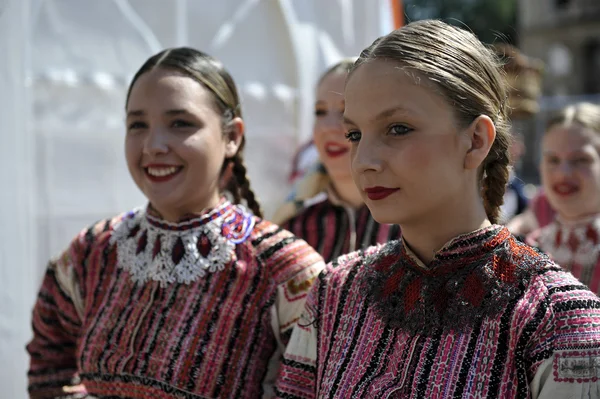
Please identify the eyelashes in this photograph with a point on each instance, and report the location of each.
(394, 130)
(176, 124)
(353, 136)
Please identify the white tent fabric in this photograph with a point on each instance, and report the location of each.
(64, 69)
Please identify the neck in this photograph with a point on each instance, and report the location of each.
(176, 214)
(426, 237)
(348, 192)
(569, 219)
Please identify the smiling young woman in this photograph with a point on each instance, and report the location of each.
(192, 296)
(570, 169)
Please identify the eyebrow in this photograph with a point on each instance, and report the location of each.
(382, 115)
(169, 112)
(570, 153)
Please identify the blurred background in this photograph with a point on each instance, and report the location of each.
(65, 66)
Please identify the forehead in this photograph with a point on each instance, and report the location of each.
(332, 85)
(168, 88)
(379, 85)
(570, 138)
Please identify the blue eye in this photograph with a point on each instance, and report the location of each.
(399, 130)
(353, 136)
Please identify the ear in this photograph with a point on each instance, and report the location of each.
(481, 134)
(234, 136)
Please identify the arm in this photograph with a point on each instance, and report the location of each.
(566, 347)
(56, 324)
(298, 373)
(292, 266)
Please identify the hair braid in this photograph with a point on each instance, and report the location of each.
(228, 183)
(243, 185)
(495, 179)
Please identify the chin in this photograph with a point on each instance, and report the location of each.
(382, 216)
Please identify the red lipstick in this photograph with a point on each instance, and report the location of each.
(379, 193)
(564, 189)
(334, 150)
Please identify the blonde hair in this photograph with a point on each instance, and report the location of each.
(317, 180)
(583, 114)
(469, 77)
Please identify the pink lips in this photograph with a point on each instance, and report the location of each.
(379, 193)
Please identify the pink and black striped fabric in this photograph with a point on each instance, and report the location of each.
(217, 336)
(437, 335)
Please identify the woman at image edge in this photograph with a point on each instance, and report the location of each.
(193, 296)
(570, 170)
(458, 308)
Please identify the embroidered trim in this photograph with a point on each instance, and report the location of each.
(151, 249)
(571, 245)
(475, 276)
(575, 366)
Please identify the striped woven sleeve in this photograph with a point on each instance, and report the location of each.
(57, 321)
(564, 339)
(297, 377)
(293, 265)
(300, 373)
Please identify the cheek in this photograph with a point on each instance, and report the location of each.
(414, 157)
(591, 173)
(318, 137)
(201, 152)
(546, 172)
(133, 151)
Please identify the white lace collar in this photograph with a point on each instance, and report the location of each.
(150, 248)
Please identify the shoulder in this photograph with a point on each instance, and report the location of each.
(309, 218)
(567, 315)
(565, 292)
(540, 237)
(71, 266)
(284, 254)
(93, 237)
(348, 269)
(310, 207)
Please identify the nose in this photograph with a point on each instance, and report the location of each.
(156, 142)
(564, 168)
(366, 157)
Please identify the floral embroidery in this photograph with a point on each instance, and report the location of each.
(475, 276)
(151, 249)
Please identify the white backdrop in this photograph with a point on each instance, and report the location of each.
(64, 69)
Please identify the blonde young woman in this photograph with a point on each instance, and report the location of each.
(326, 209)
(570, 169)
(458, 308)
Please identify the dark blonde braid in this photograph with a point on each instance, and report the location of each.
(242, 185)
(495, 178)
